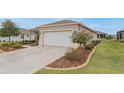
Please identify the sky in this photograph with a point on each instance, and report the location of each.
(108, 25)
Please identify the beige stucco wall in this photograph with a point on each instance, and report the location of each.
(94, 36)
(64, 28)
(60, 28)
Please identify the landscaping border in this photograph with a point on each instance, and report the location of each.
(77, 67)
(1, 51)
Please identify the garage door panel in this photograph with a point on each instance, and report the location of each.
(57, 38)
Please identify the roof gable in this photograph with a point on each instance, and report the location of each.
(63, 22)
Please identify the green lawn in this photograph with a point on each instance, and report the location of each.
(108, 58)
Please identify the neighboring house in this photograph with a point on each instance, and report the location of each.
(101, 35)
(120, 35)
(58, 33)
(24, 35)
(111, 37)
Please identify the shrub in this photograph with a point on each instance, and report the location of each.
(5, 45)
(4, 40)
(32, 41)
(74, 55)
(17, 45)
(25, 42)
(11, 45)
(90, 46)
(96, 42)
(12, 42)
(28, 42)
(19, 42)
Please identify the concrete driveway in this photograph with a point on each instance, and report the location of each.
(29, 60)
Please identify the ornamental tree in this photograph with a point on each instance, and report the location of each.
(81, 38)
(8, 29)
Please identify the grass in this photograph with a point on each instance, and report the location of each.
(108, 59)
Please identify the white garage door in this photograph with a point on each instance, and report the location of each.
(57, 38)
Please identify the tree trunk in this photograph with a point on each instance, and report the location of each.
(84, 45)
(80, 45)
(30, 35)
(37, 40)
(23, 39)
(9, 42)
(9, 39)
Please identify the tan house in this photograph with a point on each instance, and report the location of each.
(58, 33)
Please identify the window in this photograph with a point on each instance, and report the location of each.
(27, 35)
(22, 35)
(97, 35)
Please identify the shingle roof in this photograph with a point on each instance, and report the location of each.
(23, 30)
(121, 30)
(63, 22)
(99, 32)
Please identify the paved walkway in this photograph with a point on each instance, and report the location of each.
(29, 60)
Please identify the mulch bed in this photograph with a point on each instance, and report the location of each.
(64, 63)
(10, 49)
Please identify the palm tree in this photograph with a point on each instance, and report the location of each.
(8, 29)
